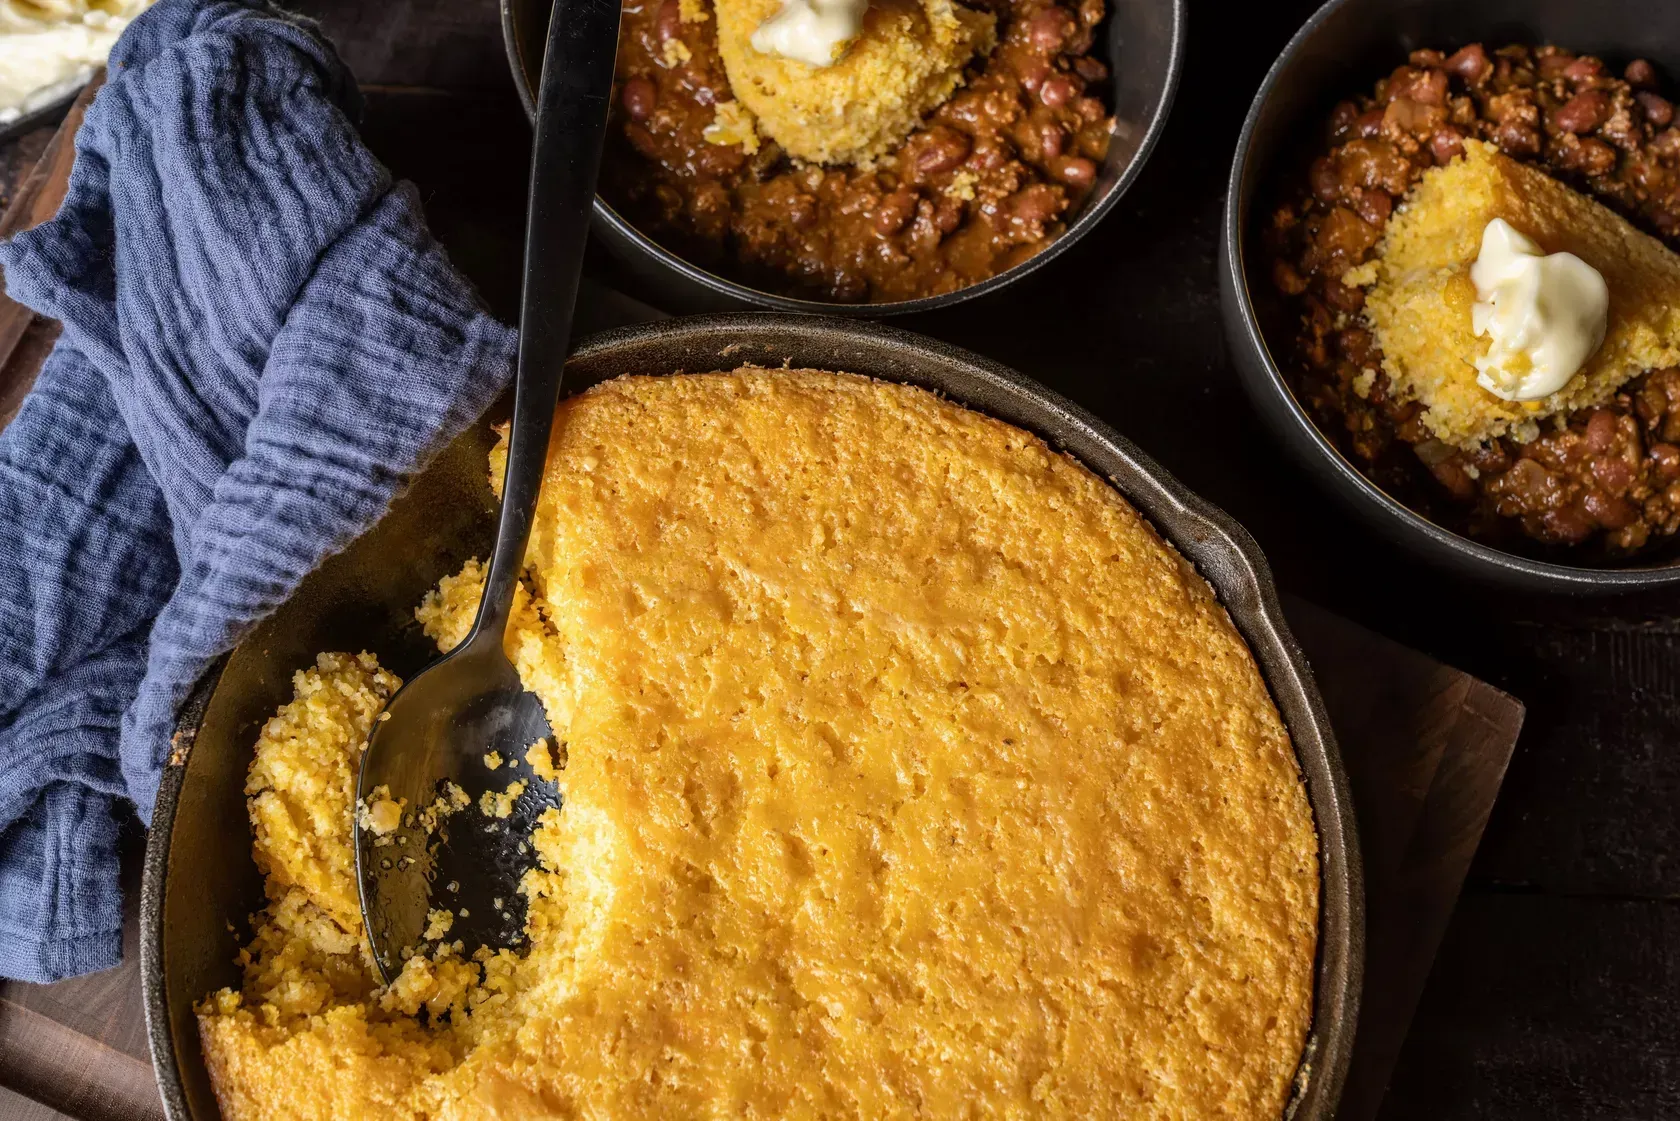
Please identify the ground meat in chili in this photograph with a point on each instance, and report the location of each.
(1609, 480)
(986, 182)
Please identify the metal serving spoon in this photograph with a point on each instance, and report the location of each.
(440, 725)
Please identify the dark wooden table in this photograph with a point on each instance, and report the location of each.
(1557, 990)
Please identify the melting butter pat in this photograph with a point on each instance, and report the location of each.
(1544, 314)
(811, 31)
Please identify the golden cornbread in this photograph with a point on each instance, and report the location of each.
(907, 60)
(906, 773)
(1419, 304)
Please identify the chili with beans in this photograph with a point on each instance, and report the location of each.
(1610, 478)
(986, 181)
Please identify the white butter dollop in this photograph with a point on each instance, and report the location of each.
(813, 31)
(50, 47)
(1544, 314)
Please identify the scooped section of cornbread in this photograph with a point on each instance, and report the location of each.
(907, 61)
(1419, 304)
(906, 772)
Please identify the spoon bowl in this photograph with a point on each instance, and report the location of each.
(465, 862)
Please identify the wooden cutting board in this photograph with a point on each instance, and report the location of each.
(1426, 747)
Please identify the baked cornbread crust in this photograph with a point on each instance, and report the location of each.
(906, 772)
(907, 60)
(1419, 305)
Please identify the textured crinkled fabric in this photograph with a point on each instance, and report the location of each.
(261, 346)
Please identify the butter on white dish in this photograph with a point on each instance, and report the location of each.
(1544, 314)
(811, 31)
(49, 48)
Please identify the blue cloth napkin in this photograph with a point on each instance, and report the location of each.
(261, 346)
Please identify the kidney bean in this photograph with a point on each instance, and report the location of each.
(1324, 178)
(1368, 125)
(639, 98)
(947, 215)
(1429, 88)
(1037, 203)
(895, 210)
(1517, 139)
(1374, 206)
(667, 23)
(1051, 140)
(1447, 468)
(1665, 459)
(1583, 69)
(1553, 63)
(1640, 74)
(1057, 91)
(1583, 112)
(1471, 64)
(1343, 298)
(1407, 118)
(941, 149)
(1613, 473)
(1090, 109)
(1446, 145)
(1608, 510)
(1076, 171)
(1659, 110)
(1048, 29)
(1341, 120)
(1091, 69)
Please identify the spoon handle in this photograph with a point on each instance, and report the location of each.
(572, 102)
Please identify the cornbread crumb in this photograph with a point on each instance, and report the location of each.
(537, 757)
(692, 11)
(908, 59)
(674, 53)
(382, 813)
(962, 185)
(904, 762)
(437, 924)
(1419, 305)
(492, 759)
(302, 782)
(733, 123)
(451, 800)
(494, 803)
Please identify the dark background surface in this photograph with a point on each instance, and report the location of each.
(1557, 990)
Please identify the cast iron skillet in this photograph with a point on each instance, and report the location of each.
(1345, 48)
(1141, 40)
(199, 876)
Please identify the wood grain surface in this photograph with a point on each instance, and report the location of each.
(34, 197)
(1555, 992)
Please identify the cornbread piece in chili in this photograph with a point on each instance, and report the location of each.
(1604, 479)
(1419, 305)
(987, 180)
(908, 59)
(907, 772)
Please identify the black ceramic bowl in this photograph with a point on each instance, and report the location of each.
(1142, 41)
(1344, 49)
(200, 883)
